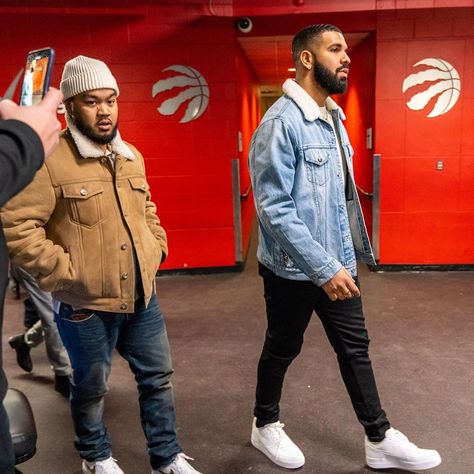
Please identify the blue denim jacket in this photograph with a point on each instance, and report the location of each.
(307, 230)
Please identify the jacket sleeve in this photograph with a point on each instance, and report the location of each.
(152, 219)
(153, 222)
(23, 219)
(272, 164)
(21, 154)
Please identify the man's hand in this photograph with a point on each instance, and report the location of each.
(41, 118)
(341, 286)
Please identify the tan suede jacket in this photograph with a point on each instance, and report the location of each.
(76, 226)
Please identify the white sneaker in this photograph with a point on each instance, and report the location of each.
(396, 451)
(180, 465)
(272, 441)
(107, 466)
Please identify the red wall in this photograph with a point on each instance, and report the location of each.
(188, 164)
(358, 104)
(427, 216)
(249, 118)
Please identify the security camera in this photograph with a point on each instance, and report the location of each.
(244, 25)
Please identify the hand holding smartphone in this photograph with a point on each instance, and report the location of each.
(39, 66)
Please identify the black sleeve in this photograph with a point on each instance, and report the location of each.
(21, 155)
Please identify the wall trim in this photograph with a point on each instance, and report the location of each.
(463, 267)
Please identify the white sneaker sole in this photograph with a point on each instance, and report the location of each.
(286, 464)
(388, 462)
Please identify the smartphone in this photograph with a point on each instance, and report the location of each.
(38, 69)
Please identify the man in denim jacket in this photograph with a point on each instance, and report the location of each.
(311, 232)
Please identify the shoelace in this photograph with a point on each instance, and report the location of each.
(401, 439)
(180, 457)
(276, 430)
(278, 426)
(184, 456)
(110, 463)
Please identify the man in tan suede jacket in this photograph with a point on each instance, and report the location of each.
(87, 230)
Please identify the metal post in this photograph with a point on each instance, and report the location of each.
(239, 258)
(376, 206)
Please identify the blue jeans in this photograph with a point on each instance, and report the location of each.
(90, 338)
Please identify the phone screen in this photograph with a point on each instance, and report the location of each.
(39, 64)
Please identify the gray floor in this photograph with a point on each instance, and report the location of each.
(421, 326)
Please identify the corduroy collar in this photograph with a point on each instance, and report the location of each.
(88, 149)
(306, 103)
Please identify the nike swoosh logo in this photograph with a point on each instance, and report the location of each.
(10, 92)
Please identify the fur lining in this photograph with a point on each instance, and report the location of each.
(306, 103)
(88, 149)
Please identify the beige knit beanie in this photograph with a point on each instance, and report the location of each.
(82, 74)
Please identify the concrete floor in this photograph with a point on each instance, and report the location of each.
(421, 326)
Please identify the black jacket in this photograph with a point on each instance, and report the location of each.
(21, 154)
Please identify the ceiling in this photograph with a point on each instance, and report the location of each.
(270, 58)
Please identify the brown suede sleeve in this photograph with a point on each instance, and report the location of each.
(152, 219)
(23, 219)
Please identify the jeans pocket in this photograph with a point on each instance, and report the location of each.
(77, 316)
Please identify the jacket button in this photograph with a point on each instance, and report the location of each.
(83, 192)
(124, 276)
(124, 306)
(123, 246)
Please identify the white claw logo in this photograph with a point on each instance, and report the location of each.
(195, 90)
(446, 87)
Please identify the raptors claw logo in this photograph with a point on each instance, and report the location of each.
(446, 86)
(195, 90)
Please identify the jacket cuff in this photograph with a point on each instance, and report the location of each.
(326, 273)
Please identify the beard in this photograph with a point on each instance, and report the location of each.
(88, 131)
(327, 80)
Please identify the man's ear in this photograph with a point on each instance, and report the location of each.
(306, 59)
(69, 104)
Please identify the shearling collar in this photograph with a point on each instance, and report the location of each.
(306, 103)
(88, 149)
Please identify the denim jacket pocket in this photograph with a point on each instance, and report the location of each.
(349, 152)
(317, 166)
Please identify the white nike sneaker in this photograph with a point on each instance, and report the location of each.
(180, 465)
(107, 466)
(396, 451)
(272, 441)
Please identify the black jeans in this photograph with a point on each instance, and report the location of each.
(290, 305)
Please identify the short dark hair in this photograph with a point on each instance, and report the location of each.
(305, 36)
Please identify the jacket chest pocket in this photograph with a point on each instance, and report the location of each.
(84, 202)
(139, 192)
(316, 161)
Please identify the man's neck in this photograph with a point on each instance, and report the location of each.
(317, 93)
